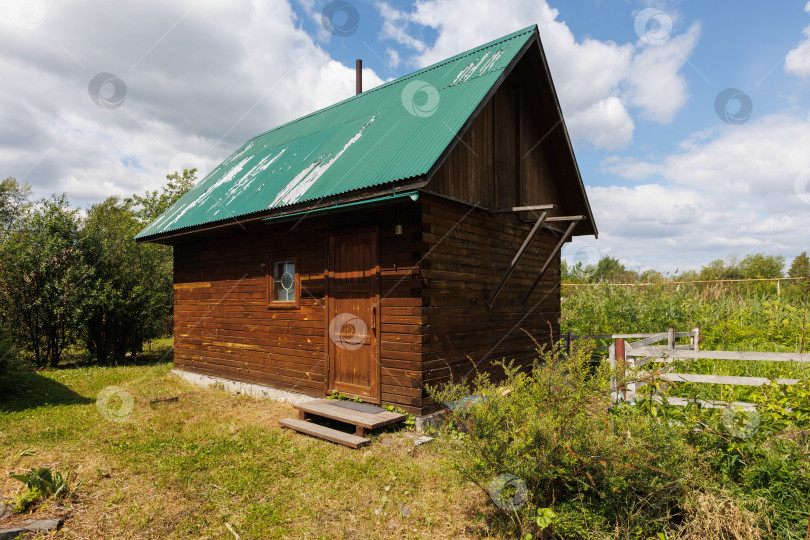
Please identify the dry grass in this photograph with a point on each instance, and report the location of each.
(189, 469)
(720, 518)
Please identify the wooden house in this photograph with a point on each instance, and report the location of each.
(378, 245)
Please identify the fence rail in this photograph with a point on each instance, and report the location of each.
(670, 336)
(626, 356)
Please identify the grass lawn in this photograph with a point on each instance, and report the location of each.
(192, 468)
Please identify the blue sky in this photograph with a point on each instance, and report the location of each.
(672, 185)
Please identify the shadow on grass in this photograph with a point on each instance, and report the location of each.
(21, 391)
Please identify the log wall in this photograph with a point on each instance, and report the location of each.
(467, 251)
(224, 328)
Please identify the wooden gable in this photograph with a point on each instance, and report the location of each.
(516, 151)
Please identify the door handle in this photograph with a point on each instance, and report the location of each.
(374, 318)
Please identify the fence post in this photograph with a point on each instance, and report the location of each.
(630, 361)
(695, 338)
(671, 337)
(569, 337)
(614, 383)
(621, 369)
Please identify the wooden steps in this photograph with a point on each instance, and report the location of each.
(323, 432)
(362, 416)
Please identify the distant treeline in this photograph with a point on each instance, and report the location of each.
(732, 315)
(754, 266)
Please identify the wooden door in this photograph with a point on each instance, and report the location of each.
(353, 315)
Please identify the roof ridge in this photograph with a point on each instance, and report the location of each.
(395, 81)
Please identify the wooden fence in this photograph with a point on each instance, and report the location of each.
(629, 356)
(671, 337)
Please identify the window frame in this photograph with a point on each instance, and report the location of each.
(271, 261)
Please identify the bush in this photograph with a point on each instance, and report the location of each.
(41, 294)
(563, 445)
(129, 293)
(760, 457)
(732, 316)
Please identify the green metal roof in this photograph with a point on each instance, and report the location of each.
(389, 133)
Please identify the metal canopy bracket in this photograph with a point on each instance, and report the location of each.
(566, 235)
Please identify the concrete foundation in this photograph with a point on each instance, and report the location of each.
(423, 423)
(238, 387)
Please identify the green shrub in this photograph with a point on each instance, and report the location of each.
(41, 483)
(555, 441)
(761, 455)
(732, 316)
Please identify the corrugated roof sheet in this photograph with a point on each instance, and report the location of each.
(389, 133)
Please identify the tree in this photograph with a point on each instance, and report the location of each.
(13, 204)
(759, 265)
(41, 293)
(126, 293)
(651, 276)
(800, 266)
(609, 269)
(720, 269)
(153, 203)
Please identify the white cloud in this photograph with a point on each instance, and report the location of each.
(392, 57)
(654, 83)
(797, 61)
(597, 81)
(201, 78)
(394, 24)
(735, 192)
(607, 123)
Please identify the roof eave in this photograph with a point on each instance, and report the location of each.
(397, 187)
(590, 222)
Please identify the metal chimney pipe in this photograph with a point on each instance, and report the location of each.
(359, 69)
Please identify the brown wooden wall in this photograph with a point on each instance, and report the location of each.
(224, 328)
(503, 159)
(467, 251)
(435, 277)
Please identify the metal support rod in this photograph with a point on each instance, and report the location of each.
(551, 256)
(516, 259)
